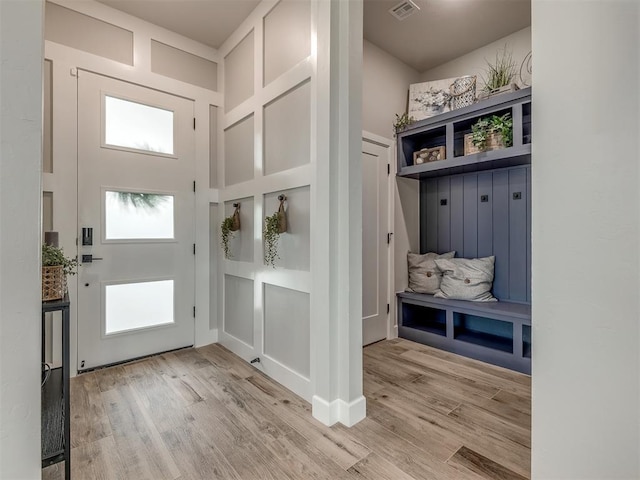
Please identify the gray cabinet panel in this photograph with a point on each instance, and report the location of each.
(444, 217)
(518, 235)
(528, 172)
(485, 215)
(429, 213)
(501, 233)
(470, 216)
(457, 215)
(482, 218)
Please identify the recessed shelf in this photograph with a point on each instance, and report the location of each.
(482, 331)
(448, 130)
(423, 318)
(526, 341)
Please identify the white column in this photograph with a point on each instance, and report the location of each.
(586, 286)
(336, 305)
(21, 44)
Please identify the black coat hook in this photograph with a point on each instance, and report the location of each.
(236, 205)
(282, 197)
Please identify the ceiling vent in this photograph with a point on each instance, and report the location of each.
(404, 9)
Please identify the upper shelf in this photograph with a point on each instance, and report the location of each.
(448, 130)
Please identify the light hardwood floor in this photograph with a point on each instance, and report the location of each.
(205, 414)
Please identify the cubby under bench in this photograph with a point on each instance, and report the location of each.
(494, 332)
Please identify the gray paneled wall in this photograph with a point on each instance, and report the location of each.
(238, 144)
(483, 214)
(286, 318)
(287, 37)
(287, 127)
(238, 73)
(238, 308)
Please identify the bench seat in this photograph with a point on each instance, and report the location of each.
(495, 332)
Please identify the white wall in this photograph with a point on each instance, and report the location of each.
(20, 166)
(475, 62)
(585, 236)
(385, 89)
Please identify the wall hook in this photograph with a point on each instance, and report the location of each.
(236, 205)
(282, 197)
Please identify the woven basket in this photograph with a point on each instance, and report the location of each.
(494, 142)
(53, 283)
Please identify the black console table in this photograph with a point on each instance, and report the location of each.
(56, 438)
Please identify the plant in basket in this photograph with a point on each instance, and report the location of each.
(490, 133)
(55, 268)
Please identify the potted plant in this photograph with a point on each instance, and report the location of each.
(274, 225)
(500, 74)
(55, 268)
(229, 225)
(490, 133)
(402, 122)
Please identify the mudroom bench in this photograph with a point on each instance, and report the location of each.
(494, 332)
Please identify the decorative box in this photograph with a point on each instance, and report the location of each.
(429, 155)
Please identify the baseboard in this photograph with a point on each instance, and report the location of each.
(339, 411)
(206, 338)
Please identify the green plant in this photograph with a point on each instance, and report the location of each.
(402, 122)
(141, 200)
(271, 234)
(54, 257)
(486, 126)
(225, 235)
(500, 73)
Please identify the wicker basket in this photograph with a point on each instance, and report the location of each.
(53, 283)
(494, 142)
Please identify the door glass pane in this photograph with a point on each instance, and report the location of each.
(134, 125)
(130, 306)
(132, 215)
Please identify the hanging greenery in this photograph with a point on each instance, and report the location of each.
(229, 225)
(274, 225)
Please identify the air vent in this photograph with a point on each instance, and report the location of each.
(404, 9)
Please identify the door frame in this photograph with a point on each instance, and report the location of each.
(392, 323)
(65, 62)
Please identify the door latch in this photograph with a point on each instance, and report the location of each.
(88, 258)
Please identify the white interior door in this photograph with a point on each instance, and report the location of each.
(375, 248)
(136, 167)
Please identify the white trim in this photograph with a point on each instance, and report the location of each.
(392, 318)
(330, 413)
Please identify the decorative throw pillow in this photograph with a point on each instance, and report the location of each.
(424, 276)
(466, 279)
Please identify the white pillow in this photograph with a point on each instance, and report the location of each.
(466, 279)
(424, 275)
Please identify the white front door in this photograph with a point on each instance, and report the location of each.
(136, 164)
(375, 248)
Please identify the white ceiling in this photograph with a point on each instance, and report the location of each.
(440, 31)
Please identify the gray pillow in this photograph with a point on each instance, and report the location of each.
(424, 276)
(466, 279)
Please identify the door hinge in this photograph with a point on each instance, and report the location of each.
(194, 248)
(388, 307)
(74, 72)
(194, 312)
(194, 186)
(389, 237)
(388, 169)
(194, 123)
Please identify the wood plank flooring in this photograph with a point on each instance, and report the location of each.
(205, 414)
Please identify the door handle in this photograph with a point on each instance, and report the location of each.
(88, 258)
